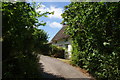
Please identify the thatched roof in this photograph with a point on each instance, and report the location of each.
(60, 35)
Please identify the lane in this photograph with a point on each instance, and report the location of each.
(57, 67)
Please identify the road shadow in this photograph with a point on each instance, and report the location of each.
(48, 76)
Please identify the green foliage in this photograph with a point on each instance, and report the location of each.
(40, 40)
(95, 32)
(22, 66)
(21, 40)
(56, 51)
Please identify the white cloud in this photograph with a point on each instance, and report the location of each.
(43, 6)
(57, 11)
(55, 25)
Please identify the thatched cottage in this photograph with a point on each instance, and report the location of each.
(63, 40)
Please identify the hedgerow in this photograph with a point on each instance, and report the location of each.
(22, 41)
(95, 32)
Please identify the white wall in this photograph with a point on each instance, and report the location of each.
(69, 50)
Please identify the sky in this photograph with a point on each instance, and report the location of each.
(53, 21)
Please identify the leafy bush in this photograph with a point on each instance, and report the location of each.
(22, 41)
(21, 67)
(95, 32)
(57, 52)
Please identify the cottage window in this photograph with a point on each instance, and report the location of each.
(66, 40)
(66, 46)
(55, 41)
(60, 45)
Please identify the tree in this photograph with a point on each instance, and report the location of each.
(21, 40)
(94, 29)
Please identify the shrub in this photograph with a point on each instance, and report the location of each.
(20, 39)
(21, 67)
(57, 52)
(95, 32)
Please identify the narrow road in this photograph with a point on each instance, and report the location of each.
(56, 67)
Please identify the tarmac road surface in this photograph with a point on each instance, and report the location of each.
(54, 68)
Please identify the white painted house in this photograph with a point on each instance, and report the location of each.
(63, 40)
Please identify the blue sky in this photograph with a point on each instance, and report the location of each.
(53, 21)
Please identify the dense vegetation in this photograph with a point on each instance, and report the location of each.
(22, 41)
(95, 32)
(56, 51)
